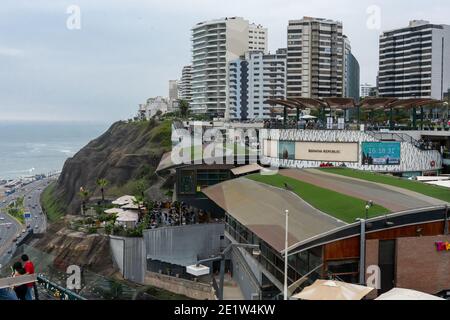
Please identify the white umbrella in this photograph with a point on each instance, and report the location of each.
(127, 216)
(333, 290)
(406, 294)
(124, 200)
(308, 117)
(114, 210)
(130, 206)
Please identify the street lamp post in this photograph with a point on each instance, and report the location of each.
(286, 247)
(368, 206)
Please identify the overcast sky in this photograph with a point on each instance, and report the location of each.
(127, 50)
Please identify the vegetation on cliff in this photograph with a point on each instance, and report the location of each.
(51, 206)
(126, 155)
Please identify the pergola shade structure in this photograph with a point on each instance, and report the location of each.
(367, 105)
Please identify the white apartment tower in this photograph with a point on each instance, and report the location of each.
(173, 89)
(315, 57)
(257, 38)
(415, 61)
(253, 79)
(185, 84)
(214, 44)
(367, 90)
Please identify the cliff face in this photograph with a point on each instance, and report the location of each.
(68, 247)
(124, 153)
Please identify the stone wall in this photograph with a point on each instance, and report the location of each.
(191, 289)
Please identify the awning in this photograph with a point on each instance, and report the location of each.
(166, 162)
(333, 290)
(406, 294)
(445, 184)
(246, 169)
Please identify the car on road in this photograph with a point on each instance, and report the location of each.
(1, 218)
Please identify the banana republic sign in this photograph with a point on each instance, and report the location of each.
(326, 151)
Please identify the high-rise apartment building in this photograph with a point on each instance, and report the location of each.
(315, 57)
(185, 84)
(173, 89)
(351, 72)
(367, 90)
(257, 38)
(214, 44)
(415, 61)
(253, 79)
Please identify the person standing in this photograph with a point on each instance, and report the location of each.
(21, 290)
(29, 269)
(7, 294)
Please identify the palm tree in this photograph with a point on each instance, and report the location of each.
(84, 195)
(184, 108)
(138, 200)
(102, 183)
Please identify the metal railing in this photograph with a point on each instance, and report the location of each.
(57, 291)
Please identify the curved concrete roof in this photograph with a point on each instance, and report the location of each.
(261, 207)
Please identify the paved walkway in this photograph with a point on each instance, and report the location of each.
(393, 198)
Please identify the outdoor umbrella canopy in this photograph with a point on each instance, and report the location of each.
(308, 117)
(333, 290)
(124, 200)
(114, 210)
(406, 294)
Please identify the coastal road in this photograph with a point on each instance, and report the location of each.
(10, 228)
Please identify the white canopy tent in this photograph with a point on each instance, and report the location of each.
(406, 294)
(333, 290)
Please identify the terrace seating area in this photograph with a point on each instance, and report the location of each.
(166, 214)
(375, 113)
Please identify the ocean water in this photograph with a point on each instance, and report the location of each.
(28, 148)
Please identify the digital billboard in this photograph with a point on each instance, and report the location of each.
(381, 153)
(286, 150)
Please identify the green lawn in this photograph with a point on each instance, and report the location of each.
(17, 210)
(338, 205)
(419, 187)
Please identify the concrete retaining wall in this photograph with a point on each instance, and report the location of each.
(184, 245)
(129, 256)
(191, 289)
